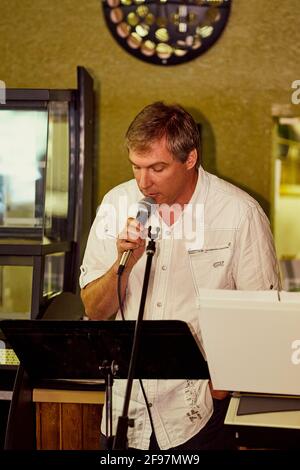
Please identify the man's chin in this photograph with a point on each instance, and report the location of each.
(155, 196)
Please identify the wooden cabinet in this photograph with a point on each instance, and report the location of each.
(68, 419)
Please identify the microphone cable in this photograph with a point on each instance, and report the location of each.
(120, 296)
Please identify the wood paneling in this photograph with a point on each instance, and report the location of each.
(68, 426)
(71, 426)
(91, 426)
(48, 427)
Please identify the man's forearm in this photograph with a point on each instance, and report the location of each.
(100, 297)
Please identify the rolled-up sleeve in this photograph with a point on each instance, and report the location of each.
(101, 250)
(255, 266)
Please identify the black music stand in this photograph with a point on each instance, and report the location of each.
(53, 350)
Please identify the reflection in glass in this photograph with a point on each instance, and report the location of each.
(23, 148)
(15, 292)
(289, 150)
(57, 178)
(54, 274)
(287, 187)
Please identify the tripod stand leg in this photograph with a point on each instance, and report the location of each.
(108, 370)
(108, 410)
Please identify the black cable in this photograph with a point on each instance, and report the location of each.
(120, 296)
(147, 406)
(140, 380)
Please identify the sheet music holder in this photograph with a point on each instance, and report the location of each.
(54, 349)
(51, 351)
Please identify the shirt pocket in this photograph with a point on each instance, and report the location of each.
(211, 267)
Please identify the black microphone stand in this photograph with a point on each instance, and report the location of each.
(109, 371)
(120, 441)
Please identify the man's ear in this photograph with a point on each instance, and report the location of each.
(191, 159)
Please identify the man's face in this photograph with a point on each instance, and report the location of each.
(159, 176)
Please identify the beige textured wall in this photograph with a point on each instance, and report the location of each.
(231, 87)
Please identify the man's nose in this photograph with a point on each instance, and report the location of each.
(145, 179)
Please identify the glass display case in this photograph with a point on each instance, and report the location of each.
(286, 192)
(46, 153)
(23, 151)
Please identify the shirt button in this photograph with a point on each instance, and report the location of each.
(164, 267)
(168, 232)
(150, 405)
(159, 304)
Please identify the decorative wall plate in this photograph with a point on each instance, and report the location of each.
(166, 32)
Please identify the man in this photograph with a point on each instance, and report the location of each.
(228, 245)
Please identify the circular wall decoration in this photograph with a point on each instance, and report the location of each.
(166, 32)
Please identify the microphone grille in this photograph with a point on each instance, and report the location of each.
(145, 207)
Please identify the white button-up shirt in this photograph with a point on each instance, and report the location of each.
(228, 245)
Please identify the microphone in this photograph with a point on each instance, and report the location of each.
(143, 214)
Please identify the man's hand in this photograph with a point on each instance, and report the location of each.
(131, 238)
(217, 394)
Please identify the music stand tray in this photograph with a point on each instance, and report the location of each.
(54, 351)
(71, 349)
